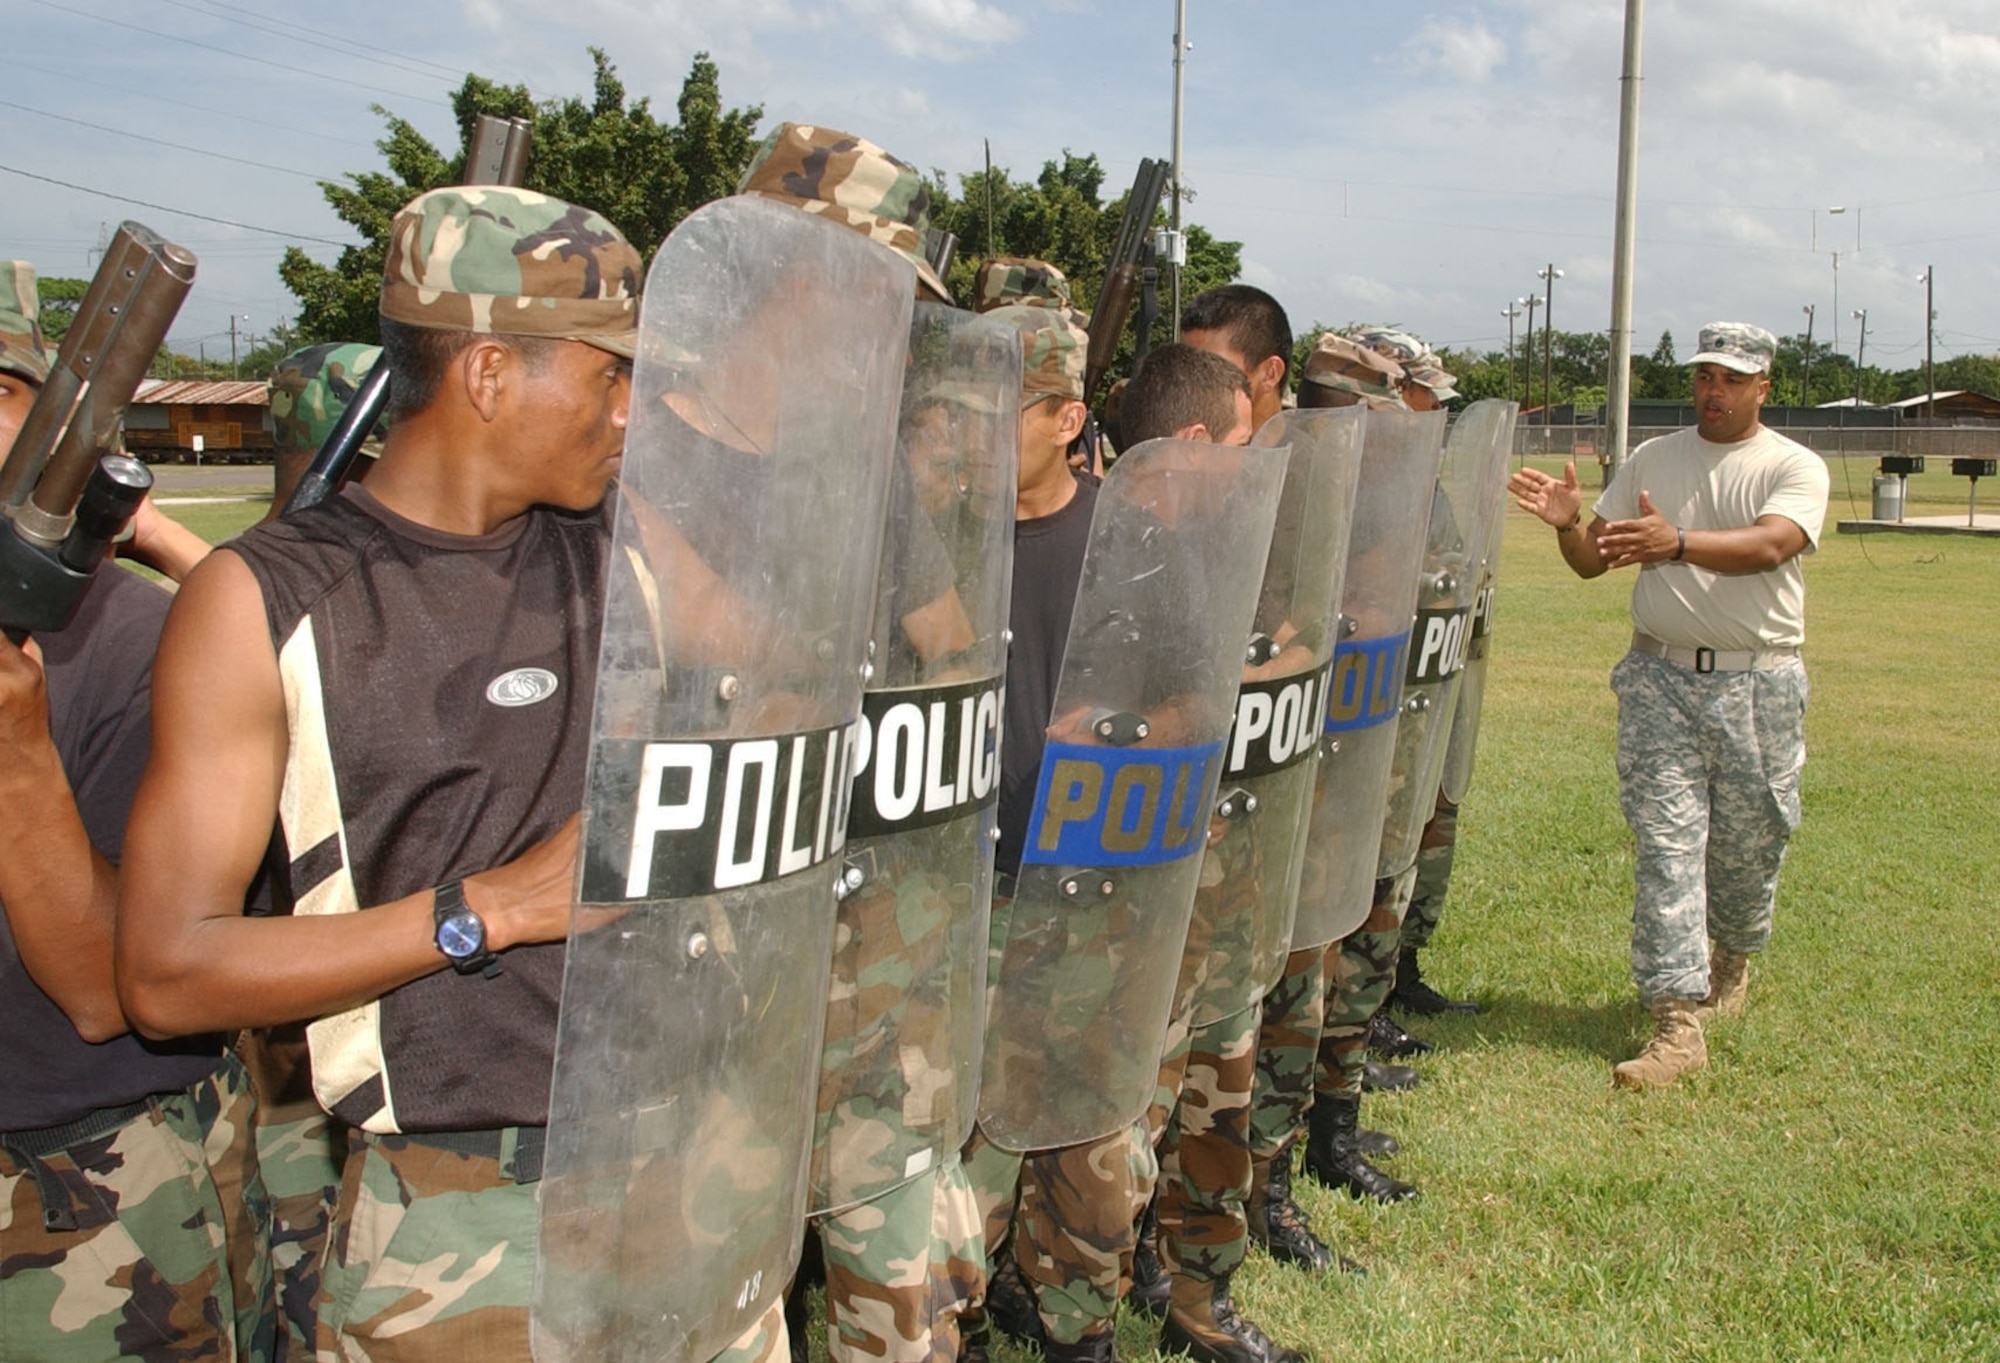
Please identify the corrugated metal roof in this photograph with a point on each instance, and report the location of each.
(244, 392)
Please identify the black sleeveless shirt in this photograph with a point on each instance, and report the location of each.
(439, 693)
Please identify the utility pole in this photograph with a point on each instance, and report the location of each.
(1930, 330)
(1625, 243)
(1549, 276)
(1860, 353)
(989, 196)
(1181, 46)
(1531, 302)
(1805, 384)
(234, 372)
(1510, 312)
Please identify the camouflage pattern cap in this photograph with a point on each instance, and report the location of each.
(311, 388)
(511, 262)
(21, 348)
(1738, 346)
(1420, 363)
(851, 181)
(1053, 351)
(1349, 367)
(1017, 279)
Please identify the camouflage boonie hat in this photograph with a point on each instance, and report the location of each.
(851, 181)
(310, 389)
(1053, 351)
(511, 262)
(1738, 346)
(21, 348)
(1017, 279)
(1419, 361)
(1344, 365)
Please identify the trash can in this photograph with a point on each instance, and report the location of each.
(1888, 505)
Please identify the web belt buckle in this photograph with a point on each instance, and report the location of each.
(1704, 660)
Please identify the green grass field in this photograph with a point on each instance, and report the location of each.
(1829, 1188)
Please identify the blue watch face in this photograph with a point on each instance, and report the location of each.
(461, 936)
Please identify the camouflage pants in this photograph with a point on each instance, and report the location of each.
(1708, 776)
(1364, 971)
(1205, 1152)
(431, 1256)
(1294, 1013)
(1077, 1226)
(903, 1269)
(1434, 856)
(300, 1150)
(168, 1258)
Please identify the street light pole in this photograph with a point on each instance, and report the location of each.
(1624, 251)
(1549, 276)
(1510, 312)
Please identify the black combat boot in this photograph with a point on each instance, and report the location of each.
(1203, 1324)
(1100, 1347)
(1388, 1041)
(1333, 1155)
(1412, 995)
(1150, 1283)
(1377, 1077)
(1010, 1304)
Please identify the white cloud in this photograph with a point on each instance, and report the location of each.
(1465, 52)
(936, 30)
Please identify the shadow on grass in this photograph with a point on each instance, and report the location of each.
(1602, 1030)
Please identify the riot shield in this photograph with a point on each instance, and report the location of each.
(1092, 946)
(1399, 464)
(1464, 510)
(764, 406)
(1463, 744)
(1242, 922)
(899, 1067)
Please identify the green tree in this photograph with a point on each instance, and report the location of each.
(1061, 217)
(606, 152)
(59, 297)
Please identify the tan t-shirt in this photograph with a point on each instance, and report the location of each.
(1697, 485)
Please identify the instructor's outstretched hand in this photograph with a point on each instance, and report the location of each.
(1559, 501)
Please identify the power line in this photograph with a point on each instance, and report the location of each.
(277, 28)
(162, 142)
(238, 56)
(179, 212)
(291, 130)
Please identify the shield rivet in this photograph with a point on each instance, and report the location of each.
(697, 946)
(729, 688)
(1106, 888)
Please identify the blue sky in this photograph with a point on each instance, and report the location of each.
(1414, 164)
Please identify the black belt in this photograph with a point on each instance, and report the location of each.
(518, 1150)
(31, 1150)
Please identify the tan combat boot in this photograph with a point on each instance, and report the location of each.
(1676, 1048)
(1728, 984)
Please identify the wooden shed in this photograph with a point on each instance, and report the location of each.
(233, 419)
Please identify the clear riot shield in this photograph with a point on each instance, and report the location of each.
(1092, 946)
(1242, 922)
(906, 1010)
(1464, 742)
(1399, 465)
(754, 491)
(1465, 509)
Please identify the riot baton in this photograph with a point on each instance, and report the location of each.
(63, 496)
(497, 155)
(1121, 273)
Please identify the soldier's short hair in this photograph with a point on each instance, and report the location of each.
(419, 356)
(1253, 321)
(1178, 386)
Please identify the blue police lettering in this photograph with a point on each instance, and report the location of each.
(1367, 685)
(1121, 806)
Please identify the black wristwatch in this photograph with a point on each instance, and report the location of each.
(460, 933)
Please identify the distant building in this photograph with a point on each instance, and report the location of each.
(1955, 404)
(232, 418)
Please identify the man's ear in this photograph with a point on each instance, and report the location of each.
(1197, 433)
(1268, 376)
(1071, 424)
(485, 369)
